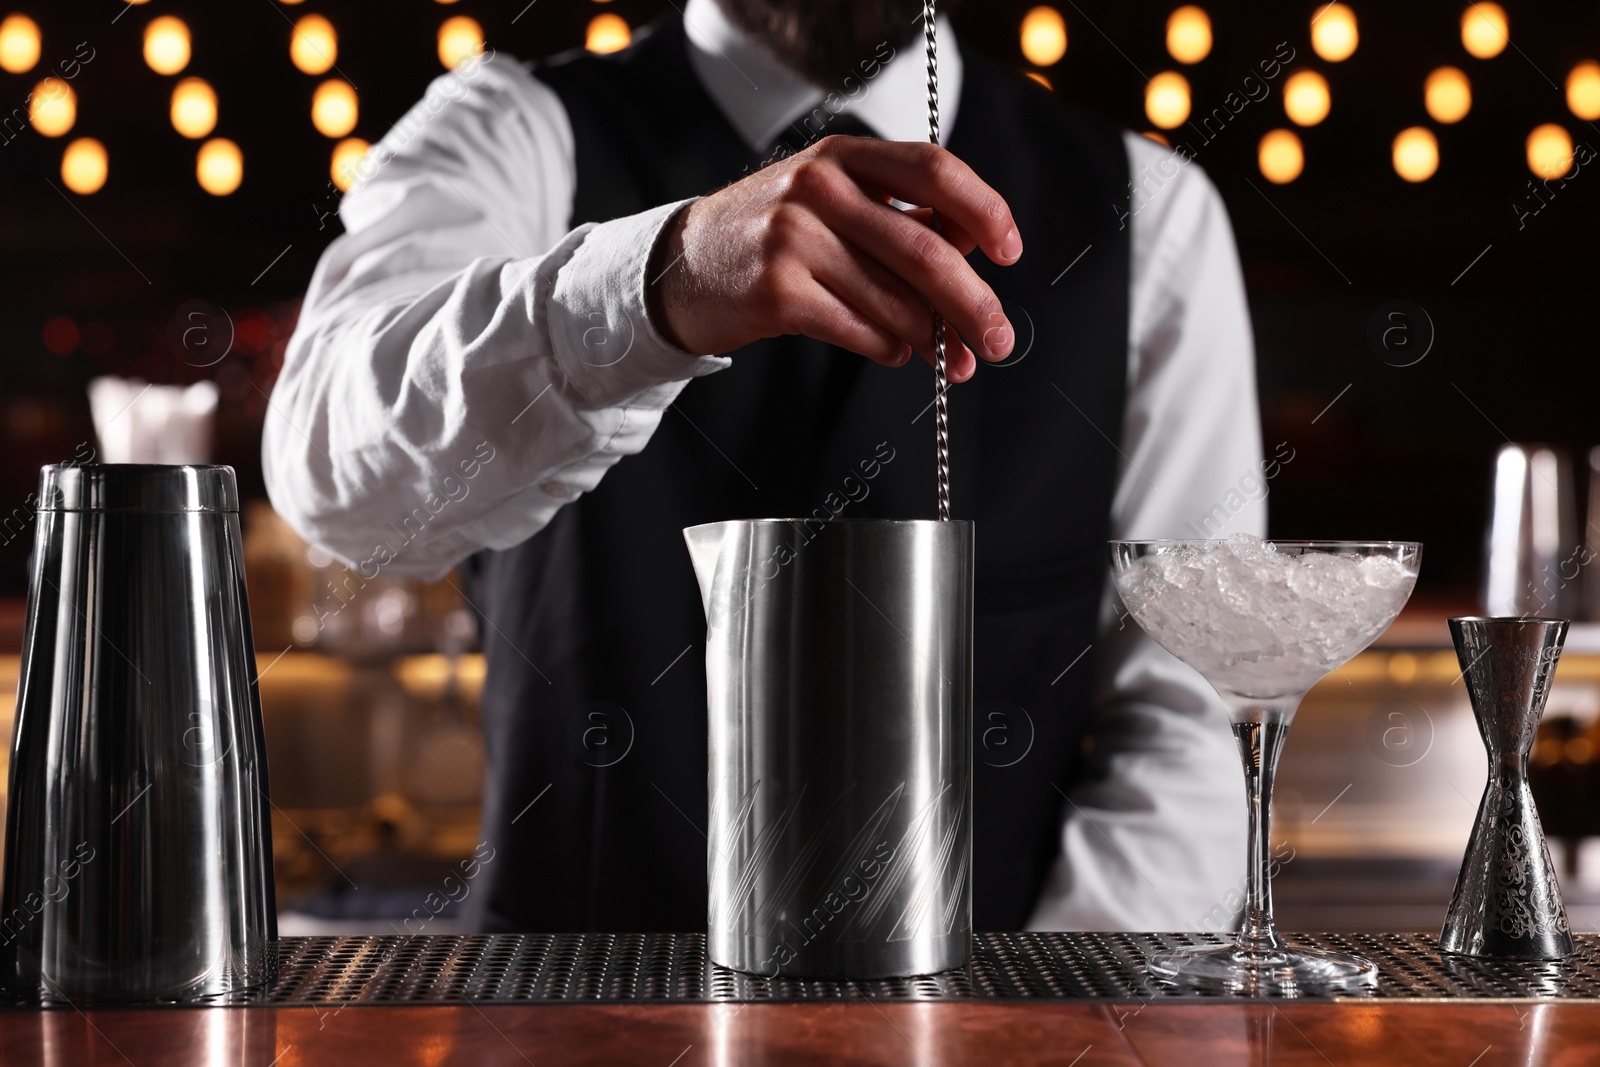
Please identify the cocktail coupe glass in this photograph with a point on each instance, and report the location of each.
(1262, 621)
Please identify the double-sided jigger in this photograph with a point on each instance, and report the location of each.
(1507, 902)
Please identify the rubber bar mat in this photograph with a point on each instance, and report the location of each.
(532, 968)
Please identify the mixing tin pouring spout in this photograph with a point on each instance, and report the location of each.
(705, 545)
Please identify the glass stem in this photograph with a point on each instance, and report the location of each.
(1260, 728)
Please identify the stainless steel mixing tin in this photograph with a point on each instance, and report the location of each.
(138, 845)
(839, 672)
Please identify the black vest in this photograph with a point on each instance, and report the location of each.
(594, 705)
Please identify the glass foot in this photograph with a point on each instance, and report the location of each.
(1284, 971)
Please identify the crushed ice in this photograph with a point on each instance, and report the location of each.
(1253, 618)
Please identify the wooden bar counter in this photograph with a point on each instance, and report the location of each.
(1074, 999)
(688, 1035)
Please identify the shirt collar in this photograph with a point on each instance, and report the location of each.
(762, 98)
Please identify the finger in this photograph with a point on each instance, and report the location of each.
(890, 303)
(959, 362)
(951, 229)
(820, 313)
(926, 174)
(928, 263)
(872, 289)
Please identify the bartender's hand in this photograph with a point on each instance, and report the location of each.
(810, 245)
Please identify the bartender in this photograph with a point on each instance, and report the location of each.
(584, 304)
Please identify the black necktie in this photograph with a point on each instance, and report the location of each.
(812, 127)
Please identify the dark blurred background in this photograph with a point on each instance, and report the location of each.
(116, 281)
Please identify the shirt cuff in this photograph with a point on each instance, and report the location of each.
(600, 325)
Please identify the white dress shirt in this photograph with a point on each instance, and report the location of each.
(459, 317)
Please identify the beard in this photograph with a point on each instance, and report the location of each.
(825, 40)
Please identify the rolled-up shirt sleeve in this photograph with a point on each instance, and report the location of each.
(464, 363)
(1153, 838)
